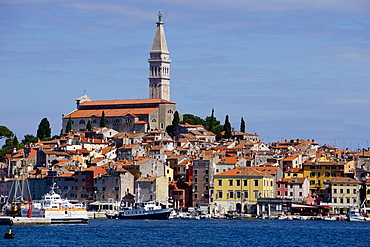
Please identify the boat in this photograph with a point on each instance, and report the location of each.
(60, 211)
(355, 216)
(144, 210)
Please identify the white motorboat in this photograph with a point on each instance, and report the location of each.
(60, 211)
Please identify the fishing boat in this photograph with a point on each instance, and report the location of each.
(60, 211)
(143, 210)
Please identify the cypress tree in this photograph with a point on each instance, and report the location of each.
(88, 126)
(227, 128)
(242, 125)
(176, 119)
(103, 122)
(69, 125)
(211, 122)
(44, 130)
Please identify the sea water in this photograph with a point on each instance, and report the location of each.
(109, 232)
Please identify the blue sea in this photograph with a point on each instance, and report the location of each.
(105, 232)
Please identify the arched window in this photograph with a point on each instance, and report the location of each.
(162, 125)
(170, 111)
(93, 121)
(154, 120)
(116, 121)
(128, 120)
(82, 121)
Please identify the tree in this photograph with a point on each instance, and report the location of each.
(44, 130)
(242, 125)
(69, 125)
(5, 132)
(29, 139)
(88, 126)
(176, 119)
(194, 120)
(103, 122)
(227, 128)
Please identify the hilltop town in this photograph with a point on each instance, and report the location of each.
(142, 150)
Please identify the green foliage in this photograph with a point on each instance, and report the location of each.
(103, 121)
(44, 130)
(176, 119)
(5, 132)
(194, 120)
(69, 125)
(242, 125)
(29, 139)
(89, 126)
(227, 128)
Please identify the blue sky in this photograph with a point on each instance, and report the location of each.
(291, 69)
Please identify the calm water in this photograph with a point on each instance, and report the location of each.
(193, 233)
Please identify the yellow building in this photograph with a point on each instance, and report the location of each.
(239, 188)
(320, 172)
(294, 173)
(367, 192)
(345, 194)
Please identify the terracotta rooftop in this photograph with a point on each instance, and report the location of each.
(109, 112)
(242, 171)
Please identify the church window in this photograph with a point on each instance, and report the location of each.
(93, 121)
(170, 111)
(154, 120)
(116, 121)
(82, 121)
(128, 120)
(162, 125)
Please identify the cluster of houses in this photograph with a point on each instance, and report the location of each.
(190, 169)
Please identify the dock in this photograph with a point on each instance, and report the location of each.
(24, 221)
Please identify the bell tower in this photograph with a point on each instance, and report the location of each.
(159, 64)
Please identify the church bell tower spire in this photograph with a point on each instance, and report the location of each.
(159, 64)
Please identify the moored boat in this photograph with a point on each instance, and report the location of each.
(147, 210)
(60, 211)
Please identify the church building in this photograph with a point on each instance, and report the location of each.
(133, 115)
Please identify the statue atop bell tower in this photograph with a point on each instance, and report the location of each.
(159, 64)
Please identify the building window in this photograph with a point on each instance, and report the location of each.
(354, 191)
(286, 193)
(206, 171)
(154, 120)
(278, 185)
(348, 191)
(291, 193)
(300, 194)
(230, 182)
(219, 194)
(219, 182)
(245, 183)
(170, 111)
(195, 196)
(206, 180)
(335, 191)
(195, 172)
(195, 180)
(327, 174)
(255, 192)
(162, 125)
(82, 121)
(312, 174)
(312, 182)
(278, 193)
(245, 192)
(255, 182)
(341, 191)
(238, 194)
(231, 194)
(237, 182)
(93, 121)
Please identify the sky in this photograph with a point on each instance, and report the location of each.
(291, 69)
